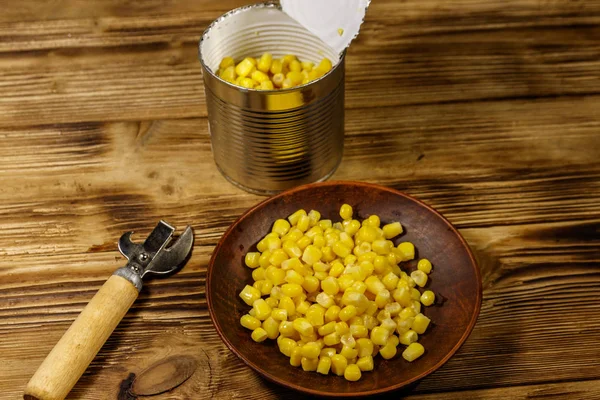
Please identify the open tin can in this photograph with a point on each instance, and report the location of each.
(266, 141)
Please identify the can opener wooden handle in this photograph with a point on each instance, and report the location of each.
(73, 353)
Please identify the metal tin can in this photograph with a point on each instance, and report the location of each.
(266, 141)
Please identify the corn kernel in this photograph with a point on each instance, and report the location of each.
(264, 257)
(336, 269)
(380, 264)
(295, 77)
(311, 350)
(309, 364)
(383, 314)
(364, 347)
(303, 242)
(392, 230)
(359, 331)
(367, 234)
(420, 323)
(327, 328)
(379, 336)
(296, 356)
(352, 373)
(279, 314)
(341, 328)
(286, 346)
(346, 211)
(331, 339)
(419, 277)
(259, 335)
(382, 298)
(258, 274)
(402, 326)
(407, 250)
(365, 363)
(249, 294)
(427, 298)
(324, 365)
(226, 62)
(325, 300)
(392, 259)
(292, 276)
(390, 281)
(388, 324)
(291, 289)
(266, 287)
(402, 296)
(352, 227)
(393, 308)
(247, 83)
(303, 327)
(275, 275)
(311, 255)
(338, 364)
(413, 351)
(409, 337)
(291, 249)
(271, 302)
(286, 328)
(357, 300)
(338, 226)
(315, 74)
(271, 326)
(251, 259)
(325, 65)
(347, 312)
(314, 231)
(277, 257)
(368, 256)
(424, 265)
(288, 305)
(340, 249)
(374, 285)
(276, 67)
(332, 313)
(348, 352)
(311, 283)
(316, 315)
(388, 351)
(273, 243)
(302, 307)
(281, 226)
(265, 62)
(320, 275)
(415, 295)
(319, 242)
(372, 309)
(307, 65)
(381, 247)
(249, 322)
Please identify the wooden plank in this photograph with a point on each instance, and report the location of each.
(130, 67)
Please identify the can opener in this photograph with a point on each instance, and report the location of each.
(73, 353)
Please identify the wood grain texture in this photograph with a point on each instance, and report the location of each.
(485, 110)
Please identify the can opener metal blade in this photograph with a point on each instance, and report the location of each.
(73, 353)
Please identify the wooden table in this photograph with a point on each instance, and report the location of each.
(487, 110)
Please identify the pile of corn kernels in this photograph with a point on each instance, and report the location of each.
(268, 73)
(335, 296)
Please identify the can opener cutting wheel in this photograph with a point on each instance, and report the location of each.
(71, 356)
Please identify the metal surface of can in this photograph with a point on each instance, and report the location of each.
(266, 141)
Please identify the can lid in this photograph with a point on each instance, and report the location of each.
(336, 22)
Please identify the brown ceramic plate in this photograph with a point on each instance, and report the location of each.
(455, 279)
